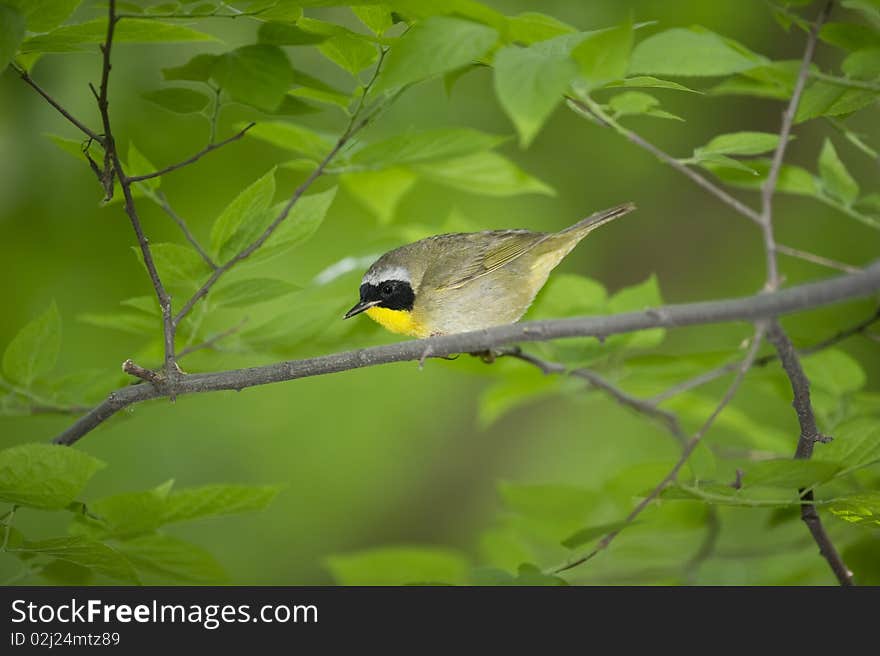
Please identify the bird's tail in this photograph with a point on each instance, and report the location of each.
(585, 226)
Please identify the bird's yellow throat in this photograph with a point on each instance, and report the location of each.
(397, 321)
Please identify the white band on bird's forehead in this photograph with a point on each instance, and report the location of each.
(381, 275)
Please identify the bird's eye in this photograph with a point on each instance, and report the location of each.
(386, 290)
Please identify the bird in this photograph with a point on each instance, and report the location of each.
(465, 281)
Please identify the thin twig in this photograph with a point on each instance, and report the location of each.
(162, 201)
(750, 309)
(91, 134)
(356, 123)
(859, 328)
(215, 115)
(809, 435)
(815, 259)
(591, 107)
(143, 373)
(194, 158)
(791, 364)
(688, 449)
(212, 341)
(846, 82)
(113, 164)
(642, 406)
(768, 189)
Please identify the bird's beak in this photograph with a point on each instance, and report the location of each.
(360, 307)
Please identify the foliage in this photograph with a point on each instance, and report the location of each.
(319, 85)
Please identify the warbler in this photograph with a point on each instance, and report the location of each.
(454, 283)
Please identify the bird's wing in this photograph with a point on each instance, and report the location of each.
(485, 253)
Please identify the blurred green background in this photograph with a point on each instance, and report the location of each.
(393, 455)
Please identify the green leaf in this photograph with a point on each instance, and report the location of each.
(286, 34)
(179, 100)
(531, 27)
(862, 509)
(380, 191)
(216, 500)
(693, 51)
(563, 506)
(871, 8)
(33, 351)
(856, 444)
(649, 82)
(174, 558)
(85, 36)
(243, 218)
(43, 15)
(293, 137)
(87, 553)
(605, 55)
(43, 475)
(590, 533)
(527, 575)
(399, 566)
(792, 179)
(721, 161)
(485, 173)
(377, 18)
(197, 69)
(244, 293)
(636, 102)
(138, 164)
(349, 52)
(258, 75)
(568, 295)
(850, 36)
(434, 46)
(529, 85)
(637, 298)
(177, 265)
(863, 64)
(426, 145)
(824, 99)
(134, 323)
(836, 180)
(303, 221)
(125, 515)
(11, 34)
(741, 143)
(834, 371)
(311, 88)
(793, 474)
(512, 392)
(62, 572)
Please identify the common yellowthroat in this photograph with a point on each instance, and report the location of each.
(464, 281)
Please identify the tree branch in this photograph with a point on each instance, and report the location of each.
(769, 187)
(749, 309)
(112, 164)
(688, 449)
(195, 158)
(211, 342)
(590, 107)
(714, 374)
(815, 259)
(810, 434)
(91, 134)
(642, 406)
(355, 125)
(162, 201)
(791, 364)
